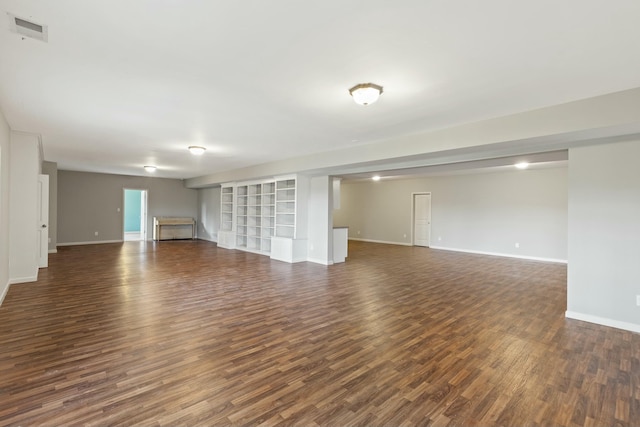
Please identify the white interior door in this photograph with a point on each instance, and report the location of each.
(43, 221)
(421, 219)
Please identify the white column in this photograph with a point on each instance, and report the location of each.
(320, 224)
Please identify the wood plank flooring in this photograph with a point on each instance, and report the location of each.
(184, 333)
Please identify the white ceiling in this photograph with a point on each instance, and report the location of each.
(125, 83)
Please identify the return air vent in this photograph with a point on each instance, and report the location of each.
(27, 28)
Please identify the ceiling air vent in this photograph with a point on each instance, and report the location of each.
(27, 28)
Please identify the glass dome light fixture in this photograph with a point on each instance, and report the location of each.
(365, 93)
(196, 150)
(150, 168)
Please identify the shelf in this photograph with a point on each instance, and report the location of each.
(268, 188)
(285, 231)
(286, 184)
(285, 207)
(286, 195)
(254, 189)
(268, 199)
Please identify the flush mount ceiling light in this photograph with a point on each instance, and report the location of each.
(196, 150)
(522, 165)
(376, 177)
(150, 168)
(365, 93)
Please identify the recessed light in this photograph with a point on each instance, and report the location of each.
(522, 165)
(376, 177)
(196, 149)
(150, 168)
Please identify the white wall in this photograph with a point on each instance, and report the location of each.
(23, 207)
(486, 212)
(5, 142)
(604, 234)
(209, 213)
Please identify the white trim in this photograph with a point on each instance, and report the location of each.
(6, 290)
(633, 327)
(145, 235)
(53, 251)
(320, 261)
(95, 242)
(413, 214)
(23, 279)
(381, 241)
(208, 240)
(533, 258)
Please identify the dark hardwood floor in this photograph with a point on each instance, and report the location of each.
(184, 333)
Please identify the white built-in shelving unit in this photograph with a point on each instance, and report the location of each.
(227, 232)
(267, 220)
(286, 208)
(226, 209)
(257, 215)
(241, 216)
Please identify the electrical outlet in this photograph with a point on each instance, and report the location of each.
(517, 245)
(49, 239)
(358, 232)
(96, 233)
(118, 209)
(439, 239)
(405, 236)
(638, 300)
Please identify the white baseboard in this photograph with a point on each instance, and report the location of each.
(53, 251)
(381, 241)
(533, 258)
(25, 279)
(320, 261)
(208, 240)
(603, 321)
(4, 293)
(94, 242)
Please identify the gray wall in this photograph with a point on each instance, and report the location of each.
(486, 212)
(89, 202)
(208, 213)
(604, 234)
(51, 169)
(5, 138)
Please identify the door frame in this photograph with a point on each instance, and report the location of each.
(43, 221)
(144, 220)
(413, 214)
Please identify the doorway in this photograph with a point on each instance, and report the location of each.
(421, 214)
(135, 214)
